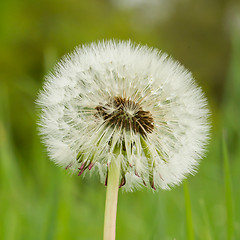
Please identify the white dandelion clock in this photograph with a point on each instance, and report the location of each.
(120, 106)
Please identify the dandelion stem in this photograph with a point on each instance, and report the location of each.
(111, 201)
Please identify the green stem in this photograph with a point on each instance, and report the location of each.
(111, 201)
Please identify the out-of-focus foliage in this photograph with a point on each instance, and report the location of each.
(41, 201)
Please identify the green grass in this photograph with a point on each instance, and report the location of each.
(41, 201)
(189, 220)
(228, 193)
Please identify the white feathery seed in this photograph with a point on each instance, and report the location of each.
(116, 94)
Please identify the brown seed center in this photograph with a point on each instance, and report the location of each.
(125, 113)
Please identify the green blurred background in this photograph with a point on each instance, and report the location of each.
(41, 201)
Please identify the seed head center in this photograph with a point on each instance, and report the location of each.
(125, 113)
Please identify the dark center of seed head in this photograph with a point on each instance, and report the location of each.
(125, 113)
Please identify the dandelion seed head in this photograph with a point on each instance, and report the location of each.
(116, 94)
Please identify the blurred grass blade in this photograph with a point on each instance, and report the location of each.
(189, 221)
(228, 191)
(208, 235)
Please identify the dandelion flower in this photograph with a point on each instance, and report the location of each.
(117, 101)
(110, 95)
